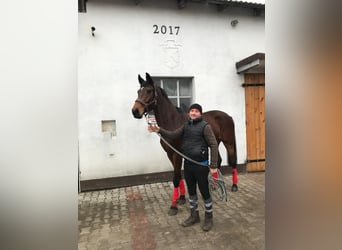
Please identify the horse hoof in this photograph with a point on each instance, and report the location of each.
(181, 200)
(234, 188)
(173, 211)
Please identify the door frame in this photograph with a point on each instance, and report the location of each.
(253, 69)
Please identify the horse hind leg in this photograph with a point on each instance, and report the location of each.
(232, 158)
(219, 161)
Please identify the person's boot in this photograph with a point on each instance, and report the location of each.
(192, 219)
(208, 221)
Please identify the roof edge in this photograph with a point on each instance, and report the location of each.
(256, 60)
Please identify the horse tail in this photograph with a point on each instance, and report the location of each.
(235, 152)
(233, 163)
(233, 160)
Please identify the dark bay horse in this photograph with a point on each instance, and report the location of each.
(151, 97)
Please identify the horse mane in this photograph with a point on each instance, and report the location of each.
(179, 110)
(163, 92)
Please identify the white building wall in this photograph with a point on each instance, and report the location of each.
(124, 46)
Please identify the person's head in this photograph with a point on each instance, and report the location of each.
(195, 111)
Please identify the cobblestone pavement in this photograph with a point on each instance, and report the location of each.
(136, 218)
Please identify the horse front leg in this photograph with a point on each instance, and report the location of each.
(178, 196)
(178, 181)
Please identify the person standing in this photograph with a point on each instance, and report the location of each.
(198, 137)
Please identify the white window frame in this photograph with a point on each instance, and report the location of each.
(178, 97)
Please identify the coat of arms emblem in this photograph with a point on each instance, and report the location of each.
(171, 55)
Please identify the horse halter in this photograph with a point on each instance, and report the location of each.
(152, 102)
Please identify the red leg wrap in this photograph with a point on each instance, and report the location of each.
(175, 196)
(182, 187)
(215, 175)
(235, 177)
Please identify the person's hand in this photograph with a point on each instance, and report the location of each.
(153, 128)
(214, 173)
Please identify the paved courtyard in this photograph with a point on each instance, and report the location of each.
(136, 218)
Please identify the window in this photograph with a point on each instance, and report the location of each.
(179, 90)
(109, 127)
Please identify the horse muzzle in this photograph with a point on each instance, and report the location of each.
(136, 113)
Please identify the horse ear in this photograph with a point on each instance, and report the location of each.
(149, 79)
(141, 81)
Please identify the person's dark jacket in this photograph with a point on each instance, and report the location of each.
(197, 137)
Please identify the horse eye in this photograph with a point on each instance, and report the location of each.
(149, 91)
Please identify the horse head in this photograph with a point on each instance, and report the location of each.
(146, 97)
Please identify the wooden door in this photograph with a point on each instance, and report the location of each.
(255, 121)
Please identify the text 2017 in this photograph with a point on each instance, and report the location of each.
(163, 29)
